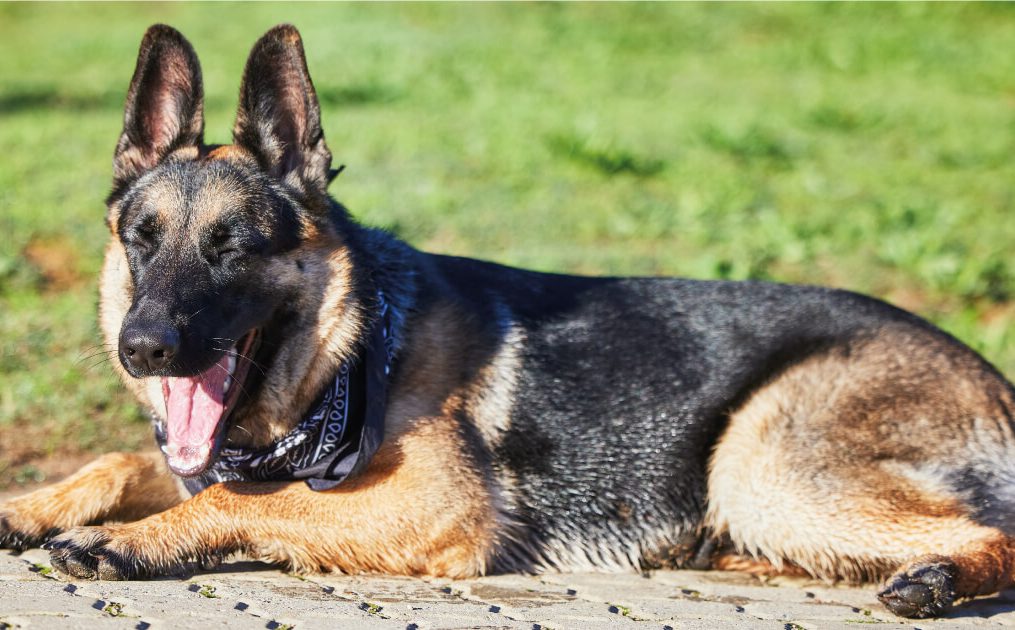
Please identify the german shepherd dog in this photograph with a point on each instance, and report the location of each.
(328, 398)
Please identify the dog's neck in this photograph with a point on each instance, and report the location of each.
(334, 321)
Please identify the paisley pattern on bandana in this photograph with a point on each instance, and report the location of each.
(337, 437)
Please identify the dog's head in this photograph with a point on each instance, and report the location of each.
(218, 253)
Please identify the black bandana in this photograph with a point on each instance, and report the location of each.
(336, 439)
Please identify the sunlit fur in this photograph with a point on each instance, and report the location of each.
(534, 422)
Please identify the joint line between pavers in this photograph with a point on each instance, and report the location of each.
(476, 600)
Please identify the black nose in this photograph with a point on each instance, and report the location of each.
(148, 348)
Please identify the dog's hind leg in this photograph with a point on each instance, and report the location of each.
(868, 527)
(862, 471)
(114, 487)
(927, 586)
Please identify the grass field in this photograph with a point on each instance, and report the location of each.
(864, 146)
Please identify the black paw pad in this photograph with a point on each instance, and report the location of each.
(924, 590)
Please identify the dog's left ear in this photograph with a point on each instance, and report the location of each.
(279, 119)
(164, 110)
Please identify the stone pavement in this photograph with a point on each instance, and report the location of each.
(252, 595)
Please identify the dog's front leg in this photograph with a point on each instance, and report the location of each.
(117, 486)
(406, 515)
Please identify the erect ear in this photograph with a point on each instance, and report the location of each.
(279, 119)
(164, 109)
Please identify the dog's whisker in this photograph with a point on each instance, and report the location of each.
(240, 356)
(91, 367)
(98, 347)
(254, 364)
(96, 352)
(105, 357)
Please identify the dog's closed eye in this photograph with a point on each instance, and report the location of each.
(222, 245)
(142, 237)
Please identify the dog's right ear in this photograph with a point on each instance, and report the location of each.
(164, 109)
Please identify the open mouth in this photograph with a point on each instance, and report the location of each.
(197, 408)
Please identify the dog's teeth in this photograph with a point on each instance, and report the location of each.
(231, 367)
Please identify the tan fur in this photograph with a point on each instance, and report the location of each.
(420, 508)
(986, 565)
(311, 358)
(454, 375)
(492, 392)
(116, 290)
(333, 324)
(415, 510)
(114, 487)
(423, 506)
(834, 468)
(228, 152)
(816, 471)
(760, 567)
(430, 384)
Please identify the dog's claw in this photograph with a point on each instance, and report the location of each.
(58, 564)
(58, 558)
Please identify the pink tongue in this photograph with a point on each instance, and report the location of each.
(194, 406)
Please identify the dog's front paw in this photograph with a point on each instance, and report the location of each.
(19, 532)
(925, 589)
(94, 553)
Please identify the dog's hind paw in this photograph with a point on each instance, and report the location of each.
(924, 589)
(87, 553)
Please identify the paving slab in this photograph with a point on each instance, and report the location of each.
(244, 594)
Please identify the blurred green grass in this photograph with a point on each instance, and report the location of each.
(865, 146)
